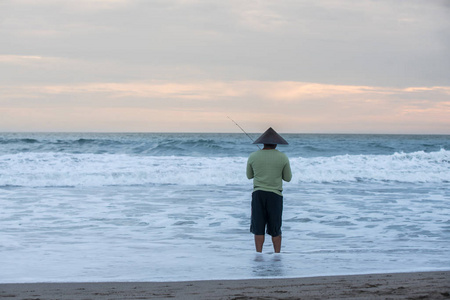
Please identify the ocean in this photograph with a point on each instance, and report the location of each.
(169, 207)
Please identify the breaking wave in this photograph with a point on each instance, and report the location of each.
(70, 169)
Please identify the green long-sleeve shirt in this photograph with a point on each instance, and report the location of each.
(268, 168)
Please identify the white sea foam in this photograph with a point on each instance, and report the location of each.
(401, 167)
(62, 169)
(65, 169)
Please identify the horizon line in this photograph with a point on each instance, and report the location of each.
(211, 132)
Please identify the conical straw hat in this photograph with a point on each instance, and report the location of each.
(270, 137)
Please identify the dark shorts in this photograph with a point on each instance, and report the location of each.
(267, 208)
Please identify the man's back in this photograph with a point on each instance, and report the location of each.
(268, 168)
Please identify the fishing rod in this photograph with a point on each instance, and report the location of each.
(243, 131)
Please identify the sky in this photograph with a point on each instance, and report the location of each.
(322, 66)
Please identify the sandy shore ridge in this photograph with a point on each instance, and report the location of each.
(420, 285)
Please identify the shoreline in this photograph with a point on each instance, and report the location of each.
(412, 285)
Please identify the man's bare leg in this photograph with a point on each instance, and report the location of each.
(259, 241)
(276, 240)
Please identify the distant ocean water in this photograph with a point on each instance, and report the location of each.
(151, 207)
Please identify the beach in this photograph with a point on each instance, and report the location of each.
(415, 285)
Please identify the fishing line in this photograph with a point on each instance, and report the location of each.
(243, 131)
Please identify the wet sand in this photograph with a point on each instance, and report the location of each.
(419, 285)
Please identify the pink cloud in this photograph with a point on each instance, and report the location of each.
(204, 105)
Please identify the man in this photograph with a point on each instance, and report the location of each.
(268, 168)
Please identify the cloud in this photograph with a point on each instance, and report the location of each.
(377, 43)
(75, 4)
(215, 90)
(260, 15)
(291, 105)
(29, 60)
(352, 65)
(19, 59)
